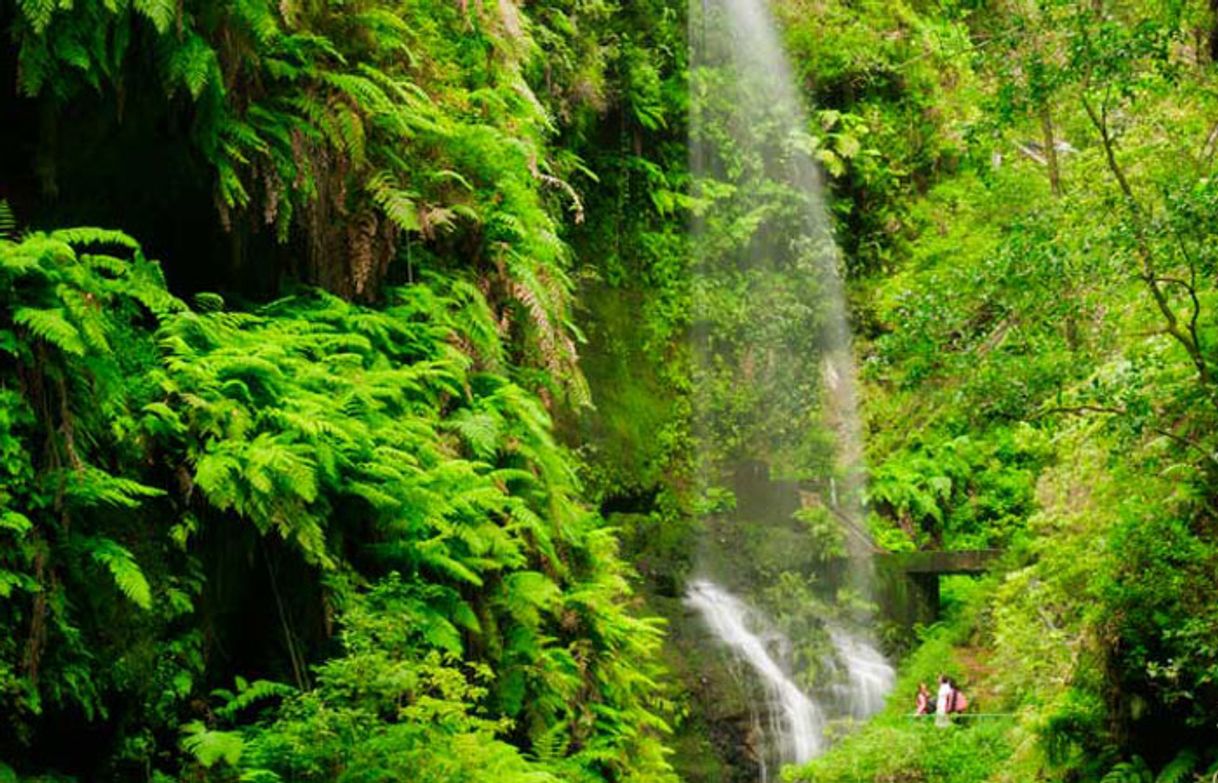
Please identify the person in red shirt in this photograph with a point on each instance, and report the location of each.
(923, 700)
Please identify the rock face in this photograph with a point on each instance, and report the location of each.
(717, 739)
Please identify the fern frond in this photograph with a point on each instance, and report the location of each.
(364, 92)
(1134, 771)
(51, 325)
(258, 18)
(89, 486)
(251, 693)
(160, 12)
(8, 222)
(389, 31)
(81, 237)
(553, 743)
(480, 431)
(15, 522)
(193, 65)
(1180, 769)
(38, 13)
(210, 747)
(398, 205)
(122, 567)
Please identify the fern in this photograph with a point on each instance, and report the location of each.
(208, 302)
(52, 326)
(553, 744)
(193, 65)
(480, 431)
(398, 205)
(39, 13)
(83, 237)
(160, 12)
(87, 486)
(8, 222)
(211, 747)
(248, 694)
(1134, 771)
(1180, 769)
(15, 522)
(121, 565)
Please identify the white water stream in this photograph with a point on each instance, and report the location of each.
(793, 721)
(869, 676)
(796, 722)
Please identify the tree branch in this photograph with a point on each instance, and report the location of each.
(1146, 255)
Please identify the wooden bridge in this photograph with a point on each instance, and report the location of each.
(909, 581)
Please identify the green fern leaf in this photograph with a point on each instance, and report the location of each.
(527, 592)
(123, 568)
(250, 693)
(160, 12)
(209, 747)
(11, 580)
(258, 18)
(435, 555)
(38, 13)
(206, 302)
(15, 522)
(52, 326)
(1179, 769)
(79, 237)
(89, 487)
(192, 65)
(8, 221)
(479, 430)
(1134, 771)
(552, 745)
(398, 205)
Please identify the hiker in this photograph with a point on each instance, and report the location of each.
(922, 702)
(957, 702)
(943, 702)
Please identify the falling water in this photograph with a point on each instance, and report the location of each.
(795, 721)
(739, 37)
(792, 721)
(761, 134)
(869, 676)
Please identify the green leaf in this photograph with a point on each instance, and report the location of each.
(123, 568)
(52, 326)
(15, 521)
(160, 12)
(210, 747)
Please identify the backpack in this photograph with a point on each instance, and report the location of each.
(959, 701)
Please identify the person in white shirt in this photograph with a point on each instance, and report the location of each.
(943, 702)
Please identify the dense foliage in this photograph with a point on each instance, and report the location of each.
(448, 338)
(365, 451)
(304, 538)
(1037, 360)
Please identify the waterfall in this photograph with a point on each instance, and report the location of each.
(795, 721)
(869, 676)
(763, 242)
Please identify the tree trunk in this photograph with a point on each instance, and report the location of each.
(1214, 31)
(1046, 127)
